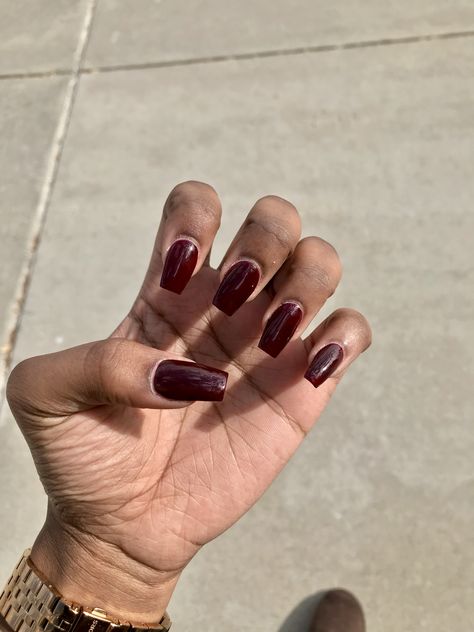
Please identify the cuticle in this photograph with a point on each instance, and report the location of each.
(186, 238)
(290, 300)
(151, 377)
(246, 259)
(295, 302)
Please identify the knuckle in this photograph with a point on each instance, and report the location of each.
(100, 363)
(323, 250)
(201, 187)
(265, 229)
(316, 261)
(318, 276)
(275, 201)
(281, 211)
(17, 383)
(197, 200)
(191, 188)
(357, 323)
(331, 254)
(310, 275)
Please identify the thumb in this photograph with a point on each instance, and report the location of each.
(112, 371)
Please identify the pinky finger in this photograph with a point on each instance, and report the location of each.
(335, 344)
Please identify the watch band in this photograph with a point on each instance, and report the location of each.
(30, 604)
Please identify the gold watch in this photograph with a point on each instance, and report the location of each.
(29, 604)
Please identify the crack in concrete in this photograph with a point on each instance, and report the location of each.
(283, 52)
(39, 219)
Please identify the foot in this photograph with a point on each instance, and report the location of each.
(338, 611)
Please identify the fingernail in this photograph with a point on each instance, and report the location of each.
(324, 364)
(189, 381)
(237, 285)
(280, 327)
(179, 266)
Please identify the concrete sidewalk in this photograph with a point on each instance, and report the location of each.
(362, 114)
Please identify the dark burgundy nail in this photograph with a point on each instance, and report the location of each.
(324, 364)
(189, 381)
(280, 327)
(237, 285)
(179, 266)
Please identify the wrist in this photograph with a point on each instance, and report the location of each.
(93, 573)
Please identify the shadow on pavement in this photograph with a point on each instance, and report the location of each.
(300, 617)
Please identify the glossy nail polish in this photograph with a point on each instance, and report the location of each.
(179, 266)
(237, 285)
(280, 327)
(189, 381)
(324, 364)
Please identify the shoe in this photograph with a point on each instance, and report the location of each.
(338, 611)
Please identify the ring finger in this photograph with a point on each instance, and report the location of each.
(308, 278)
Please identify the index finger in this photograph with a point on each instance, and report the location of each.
(191, 218)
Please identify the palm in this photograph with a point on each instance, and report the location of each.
(180, 477)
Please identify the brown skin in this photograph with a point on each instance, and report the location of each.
(136, 483)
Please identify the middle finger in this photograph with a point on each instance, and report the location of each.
(267, 237)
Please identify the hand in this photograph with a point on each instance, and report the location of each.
(138, 479)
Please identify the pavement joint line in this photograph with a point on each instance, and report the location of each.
(283, 52)
(40, 74)
(39, 219)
